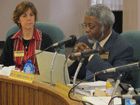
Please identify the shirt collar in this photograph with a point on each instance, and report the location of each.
(102, 43)
(37, 35)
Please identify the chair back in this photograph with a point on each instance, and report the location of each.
(54, 31)
(133, 37)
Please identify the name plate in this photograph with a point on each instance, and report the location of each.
(62, 88)
(22, 76)
(18, 53)
(105, 55)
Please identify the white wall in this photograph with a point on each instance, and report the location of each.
(67, 14)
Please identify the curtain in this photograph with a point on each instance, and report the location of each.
(113, 4)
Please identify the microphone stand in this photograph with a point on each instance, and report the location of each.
(51, 76)
(76, 73)
(115, 87)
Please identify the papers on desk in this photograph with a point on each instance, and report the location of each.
(88, 88)
(101, 100)
(7, 70)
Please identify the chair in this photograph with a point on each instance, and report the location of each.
(133, 37)
(54, 31)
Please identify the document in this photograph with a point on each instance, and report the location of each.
(101, 100)
(88, 88)
(7, 70)
(91, 85)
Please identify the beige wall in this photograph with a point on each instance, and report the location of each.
(131, 15)
(138, 14)
(67, 14)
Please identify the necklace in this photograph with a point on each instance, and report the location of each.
(26, 43)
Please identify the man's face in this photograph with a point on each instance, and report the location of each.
(93, 28)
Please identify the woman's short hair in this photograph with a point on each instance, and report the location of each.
(21, 9)
(103, 13)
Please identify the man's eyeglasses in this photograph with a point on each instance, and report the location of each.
(88, 26)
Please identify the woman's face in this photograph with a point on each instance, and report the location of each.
(27, 20)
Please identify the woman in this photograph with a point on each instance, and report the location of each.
(21, 45)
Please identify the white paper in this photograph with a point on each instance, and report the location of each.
(102, 100)
(7, 70)
(87, 88)
(90, 85)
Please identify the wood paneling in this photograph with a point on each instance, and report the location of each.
(14, 92)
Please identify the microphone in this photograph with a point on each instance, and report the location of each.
(137, 97)
(121, 68)
(86, 53)
(71, 43)
(71, 38)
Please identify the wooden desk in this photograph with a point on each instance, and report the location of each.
(14, 92)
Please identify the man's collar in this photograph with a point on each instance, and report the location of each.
(102, 43)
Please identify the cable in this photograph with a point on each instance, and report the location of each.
(35, 54)
(77, 85)
(64, 68)
(112, 99)
(65, 65)
(38, 52)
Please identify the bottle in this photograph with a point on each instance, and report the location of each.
(109, 87)
(130, 101)
(28, 67)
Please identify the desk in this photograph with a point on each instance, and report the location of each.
(15, 92)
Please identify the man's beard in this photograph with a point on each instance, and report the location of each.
(93, 40)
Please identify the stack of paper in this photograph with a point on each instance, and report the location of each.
(102, 100)
(7, 70)
(88, 88)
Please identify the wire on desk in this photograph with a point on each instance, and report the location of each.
(111, 99)
(84, 102)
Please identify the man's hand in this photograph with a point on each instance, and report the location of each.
(79, 47)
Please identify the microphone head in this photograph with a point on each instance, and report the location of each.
(102, 50)
(71, 42)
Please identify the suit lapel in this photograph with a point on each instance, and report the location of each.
(108, 45)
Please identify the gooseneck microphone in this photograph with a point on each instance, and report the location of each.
(122, 68)
(87, 53)
(137, 97)
(71, 38)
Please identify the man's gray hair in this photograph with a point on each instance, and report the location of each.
(103, 13)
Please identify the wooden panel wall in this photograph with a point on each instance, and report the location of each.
(19, 93)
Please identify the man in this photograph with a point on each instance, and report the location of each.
(98, 25)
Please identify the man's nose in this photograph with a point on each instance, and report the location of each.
(87, 29)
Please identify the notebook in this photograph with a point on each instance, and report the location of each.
(44, 61)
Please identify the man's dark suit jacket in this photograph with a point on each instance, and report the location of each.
(120, 53)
